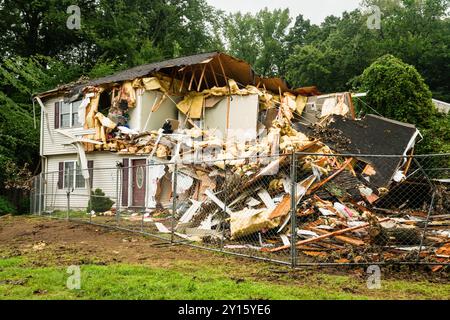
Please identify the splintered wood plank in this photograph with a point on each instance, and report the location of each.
(349, 240)
(282, 208)
(326, 236)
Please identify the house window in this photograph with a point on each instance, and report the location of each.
(65, 115)
(75, 106)
(69, 114)
(73, 176)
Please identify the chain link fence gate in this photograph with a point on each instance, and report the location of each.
(299, 209)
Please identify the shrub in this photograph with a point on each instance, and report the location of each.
(397, 91)
(98, 201)
(6, 207)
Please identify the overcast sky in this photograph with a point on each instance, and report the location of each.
(314, 10)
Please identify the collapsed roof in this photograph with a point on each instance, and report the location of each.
(213, 67)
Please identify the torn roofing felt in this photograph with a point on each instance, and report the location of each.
(378, 136)
(216, 66)
(221, 66)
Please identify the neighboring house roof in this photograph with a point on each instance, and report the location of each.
(442, 106)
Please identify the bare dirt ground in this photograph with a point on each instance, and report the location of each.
(47, 242)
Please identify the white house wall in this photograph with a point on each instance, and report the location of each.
(52, 141)
(242, 116)
(142, 112)
(105, 175)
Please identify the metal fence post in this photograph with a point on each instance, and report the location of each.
(174, 202)
(89, 208)
(293, 211)
(430, 208)
(222, 240)
(117, 196)
(31, 196)
(68, 204)
(40, 195)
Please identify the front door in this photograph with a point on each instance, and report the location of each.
(138, 182)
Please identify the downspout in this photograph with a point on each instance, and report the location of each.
(44, 159)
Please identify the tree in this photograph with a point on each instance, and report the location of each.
(272, 30)
(397, 91)
(307, 65)
(20, 78)
(259, 39)
(241, 37)
(416, 31)
(301, 33)
(39, 27)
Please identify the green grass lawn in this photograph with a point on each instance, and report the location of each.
(124, 281)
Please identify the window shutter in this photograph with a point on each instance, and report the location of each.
(91, 173)
(125, 172)
(60, 175)
(56, 115)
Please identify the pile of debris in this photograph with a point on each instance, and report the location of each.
(239, 190)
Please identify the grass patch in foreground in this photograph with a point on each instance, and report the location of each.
(137, 282)
(121, 281)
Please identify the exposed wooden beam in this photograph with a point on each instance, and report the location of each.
(224, 75)
(214, 74)
(201, 78)
(182, 81)
(192, 79)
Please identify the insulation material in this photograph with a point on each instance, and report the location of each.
(290, 100)
(248, 221)
(192, 105)
(151, 83)
(105, 121)
(301, 103)
(128, 93)
(331, 106)
(93, 109)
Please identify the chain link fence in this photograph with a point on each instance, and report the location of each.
(298, 209)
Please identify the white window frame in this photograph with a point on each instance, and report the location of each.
(74, 173)
(71, 125)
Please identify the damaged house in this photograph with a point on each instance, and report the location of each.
(210, 130)
(119, 118)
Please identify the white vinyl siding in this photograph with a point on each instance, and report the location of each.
(53, 143)
(104, 172)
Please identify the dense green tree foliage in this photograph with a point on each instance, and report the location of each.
(396, 90)
(38, 52)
